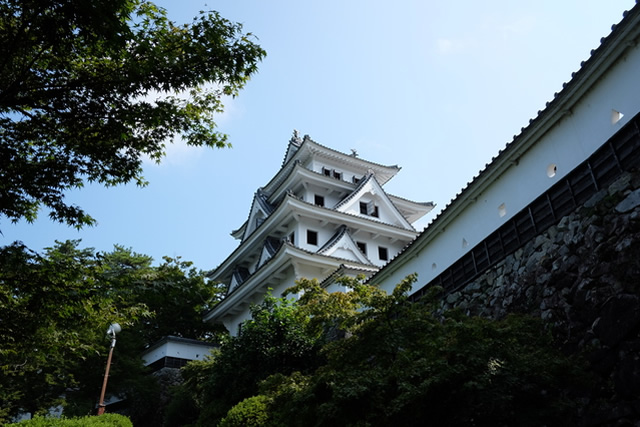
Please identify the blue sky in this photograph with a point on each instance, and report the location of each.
(434, 87)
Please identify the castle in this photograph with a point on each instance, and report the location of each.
(324, 214)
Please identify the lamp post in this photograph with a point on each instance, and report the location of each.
(112, 331)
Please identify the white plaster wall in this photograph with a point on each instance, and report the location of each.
(347, 175)
(177, 349)
(578, 135)
(385, 215)
(331, 197)
(232, 322)
(285, 283)
(324, 234)
(393, 246)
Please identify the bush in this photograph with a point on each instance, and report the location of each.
(105, 420)
(251, 412)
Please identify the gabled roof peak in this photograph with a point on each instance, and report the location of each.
(295, 138)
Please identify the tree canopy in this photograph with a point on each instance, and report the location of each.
(55, 308)
(275, 341)
(88, 88)
(381, 360)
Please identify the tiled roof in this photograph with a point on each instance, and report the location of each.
(291, 196)
(339, 272)
(307, 139)
(343, 232)
(284, 245)
(354, 193)
(335, 239)
(411, 201)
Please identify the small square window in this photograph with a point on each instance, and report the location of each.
(355, 179)
(337, 175)
(326, 171)
(362, 246)
(369, 209)
(319, 200)
(363, 208)
(383, 253)
(312, 237)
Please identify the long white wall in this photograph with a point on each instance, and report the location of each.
(580, 131)
(182, 350)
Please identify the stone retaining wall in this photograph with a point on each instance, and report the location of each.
(583, 277)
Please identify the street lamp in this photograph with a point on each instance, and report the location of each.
(114, 329)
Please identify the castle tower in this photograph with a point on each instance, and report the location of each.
(323, 214)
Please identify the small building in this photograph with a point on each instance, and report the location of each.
(323, 212)
(175, 352)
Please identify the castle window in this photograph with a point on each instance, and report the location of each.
(383, 253)
(363, 208)
(319, 200)
(292, 238)
(369, 209)
(312, 237)
(362, 246)
(326, 171)
(337, 175)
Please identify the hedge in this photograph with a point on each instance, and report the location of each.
(105, 420)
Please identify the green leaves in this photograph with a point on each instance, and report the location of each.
(56, 307)
(381, 360)
(52, 316)
(88, 88)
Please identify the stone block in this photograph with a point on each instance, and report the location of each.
(630, 202)
(620, 184)
(539, 241)
(595, 199)
(453, 298)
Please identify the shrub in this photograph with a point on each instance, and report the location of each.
(105, 420)
(251, 412)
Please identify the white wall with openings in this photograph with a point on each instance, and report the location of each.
(579, 132)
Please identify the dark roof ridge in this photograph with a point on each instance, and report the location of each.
(335, 238)
(352, 195)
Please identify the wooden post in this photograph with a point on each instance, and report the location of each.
(101, 405)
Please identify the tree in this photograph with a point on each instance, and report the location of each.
(52, 318)
(398, 363)
(89, 88)
(177, 293)
(55, 309)
(275, 340)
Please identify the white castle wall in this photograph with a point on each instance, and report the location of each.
(182, 350)
(580, 130)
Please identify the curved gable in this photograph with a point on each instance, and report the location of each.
(342, 245)
(371, 201)
(260, 211)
